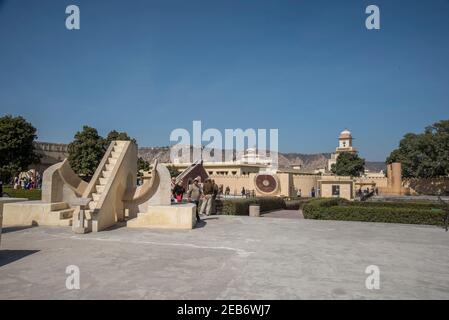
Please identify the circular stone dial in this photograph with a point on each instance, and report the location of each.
(266, 183)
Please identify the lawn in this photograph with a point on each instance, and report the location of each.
(21, 193)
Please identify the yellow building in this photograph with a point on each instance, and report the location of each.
(258, 177)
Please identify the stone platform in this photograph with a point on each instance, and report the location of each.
(29, 213)
(181, 216)
(228, 257)
(4, 201)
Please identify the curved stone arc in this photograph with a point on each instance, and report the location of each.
(140, 194)
(71, 179)
(56, 177)
(52, 184)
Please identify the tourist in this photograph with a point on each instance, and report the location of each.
(194, 194)
(215, 194)
(243, 191)
(299, 193)
(208, 191)
(178, 191)
(227, 191)
(313, 192)
(16, 183)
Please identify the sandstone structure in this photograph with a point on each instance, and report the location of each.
(112, 195)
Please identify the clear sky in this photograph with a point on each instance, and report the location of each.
(309, 68)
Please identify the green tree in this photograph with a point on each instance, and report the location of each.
(16, 146)
(86, 152)
(348, 164)
(173, 171)
(424, 155)
(143, 165)
(115, 135)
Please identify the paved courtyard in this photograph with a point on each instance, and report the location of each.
(229, 258)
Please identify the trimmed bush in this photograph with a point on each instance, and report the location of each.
(311, 209)
(397, 204)
(240, 207)
(388, 212)
(295, 203)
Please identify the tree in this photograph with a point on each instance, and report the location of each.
(142, 165)
(348, 164)
(16, 146)
(173, 171)
(86, 151)
(115, 135)
(424, 155)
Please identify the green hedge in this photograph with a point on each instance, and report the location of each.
(34, 194)
(295, 203)
(240, 207)
(388, 212)
(397, 204)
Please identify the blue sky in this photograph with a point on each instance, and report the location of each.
(308, 68)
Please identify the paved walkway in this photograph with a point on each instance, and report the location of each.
(229, 258)
(286, 214)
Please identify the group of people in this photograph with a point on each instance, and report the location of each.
(27, 183)
(367, 191)
(207, 192)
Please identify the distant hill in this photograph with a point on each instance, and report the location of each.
(308, 162)
(54, 152)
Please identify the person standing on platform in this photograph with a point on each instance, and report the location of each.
(194, 195)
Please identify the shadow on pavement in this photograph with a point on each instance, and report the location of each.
(9, 256)
(17, 228)
(118, 225)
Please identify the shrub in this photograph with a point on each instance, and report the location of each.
(388, 212)
(311, 209)
(398, 204)
(295, 203)
(383, 214)
(241, 206)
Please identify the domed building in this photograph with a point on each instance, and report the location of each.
(344, 145)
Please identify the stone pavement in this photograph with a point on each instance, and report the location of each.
(287, 214)
(229, 258)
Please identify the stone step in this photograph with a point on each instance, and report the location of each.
(65, 214)
(112, 161)
(103, 181)
(95, 196)
(99, 188)
(59, 206)
(120, 143)
(65, 222)
(88, 214)
(106, 173)
(118, 148)
(109, 167)
(115, 155)
(92, 204)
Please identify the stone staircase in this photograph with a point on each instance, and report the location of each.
(62, 213)
(106, 175)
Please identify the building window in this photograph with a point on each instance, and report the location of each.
(336, 191)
